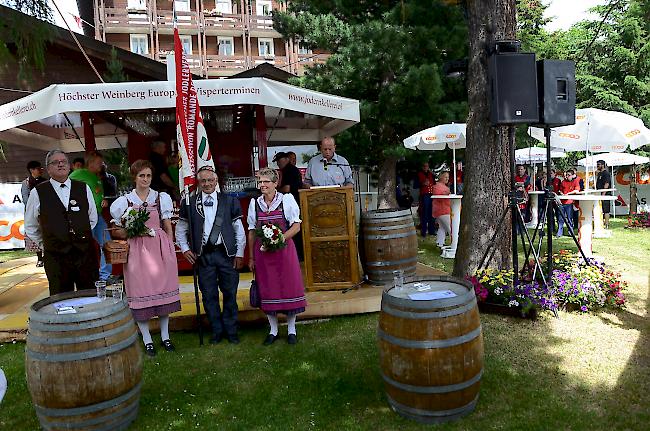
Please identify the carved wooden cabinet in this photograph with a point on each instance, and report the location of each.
(329, 238)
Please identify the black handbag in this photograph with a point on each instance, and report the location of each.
(254, 295)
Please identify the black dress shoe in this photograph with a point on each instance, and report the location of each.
(168, 345)
(150, 350)
(215, 339)
(270, 339)
(233, 339)
(292, 339)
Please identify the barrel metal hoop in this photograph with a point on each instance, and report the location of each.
(434, 389)
(91, 408)
(428, 305)
(430, 344)
(392, 262)
(387, 214)
(88, 354)
(391, 236)
(77, 317)
(371, 227)
(54, 341)
(388, 274)
(111, 421)
(39, 326)
(428, 416)
(433, 314)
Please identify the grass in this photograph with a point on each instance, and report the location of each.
(7, 255)
(576, 372)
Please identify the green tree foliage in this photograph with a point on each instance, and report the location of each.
(114, 69)
(21, 40)
(389, 55)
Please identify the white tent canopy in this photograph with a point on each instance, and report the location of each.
(535, 155)
(614, 159)
(325, 114)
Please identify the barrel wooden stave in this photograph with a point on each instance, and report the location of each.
(390, 244)
(84, 374)
(431, 359)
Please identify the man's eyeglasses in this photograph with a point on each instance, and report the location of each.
(59, 162)
(264, 182)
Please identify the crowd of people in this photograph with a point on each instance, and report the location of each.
(434, 213)
(67, 217)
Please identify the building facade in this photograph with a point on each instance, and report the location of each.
(220, 37)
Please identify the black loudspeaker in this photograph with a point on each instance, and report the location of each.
(557, 92)
(512, 84)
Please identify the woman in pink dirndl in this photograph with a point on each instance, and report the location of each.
(277, 272)
(151, 274)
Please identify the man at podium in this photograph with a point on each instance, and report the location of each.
(328, 168)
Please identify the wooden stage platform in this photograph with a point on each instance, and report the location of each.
(22, 284)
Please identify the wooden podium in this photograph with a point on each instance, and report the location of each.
(329, 238)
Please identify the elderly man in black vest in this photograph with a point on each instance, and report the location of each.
(60, 216)
(216, 245)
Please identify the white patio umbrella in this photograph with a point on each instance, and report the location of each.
(535, 155)
(597, 131)
(438, 138)
(614, 159)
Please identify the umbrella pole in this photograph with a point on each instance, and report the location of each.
(611, 186)
(453, 150)
(194, 274)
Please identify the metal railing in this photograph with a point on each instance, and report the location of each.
(223, 22)
(120, 17)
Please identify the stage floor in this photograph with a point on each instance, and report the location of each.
(22, 284)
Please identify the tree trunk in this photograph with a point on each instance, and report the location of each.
(387, 186)
(487, 174)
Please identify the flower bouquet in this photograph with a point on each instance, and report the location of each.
(134, 222)
(271, 237)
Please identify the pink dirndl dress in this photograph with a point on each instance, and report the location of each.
(278, 272)
(151, 273)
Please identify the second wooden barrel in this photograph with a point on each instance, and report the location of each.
(84, 369)
(389, 243)
(431, 350)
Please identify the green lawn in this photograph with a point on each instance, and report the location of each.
(576, 372)
(6, 255)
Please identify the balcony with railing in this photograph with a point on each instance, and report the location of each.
(227, 24)
(277, 61)
(188, 22)
(224, 65)
(195, 61)
(121, 20)
(262, 25)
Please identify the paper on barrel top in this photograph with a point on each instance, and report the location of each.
(428, 296)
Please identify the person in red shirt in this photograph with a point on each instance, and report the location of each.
(523, 178)
(442, 208)
(569, 186)
(426, 180)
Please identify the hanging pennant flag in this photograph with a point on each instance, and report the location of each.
(193, 147)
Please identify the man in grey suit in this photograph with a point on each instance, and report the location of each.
(217, 248)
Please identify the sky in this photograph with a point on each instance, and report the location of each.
(568, 12)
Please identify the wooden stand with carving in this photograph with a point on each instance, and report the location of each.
(329, 238)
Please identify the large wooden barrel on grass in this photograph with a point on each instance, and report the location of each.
(431, 350)
(389, 244)
(84, 369)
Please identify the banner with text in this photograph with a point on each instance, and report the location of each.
(12, 231)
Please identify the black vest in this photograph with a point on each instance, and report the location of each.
(228, 210)
(64, 228)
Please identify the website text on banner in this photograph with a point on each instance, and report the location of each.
(12, 210)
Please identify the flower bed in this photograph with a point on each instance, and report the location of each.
(640, 219)
(573, 286)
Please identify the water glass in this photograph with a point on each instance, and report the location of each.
(101, 289)
(398, 281)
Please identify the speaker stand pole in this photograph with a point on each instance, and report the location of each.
(515, 252)
(549, 208)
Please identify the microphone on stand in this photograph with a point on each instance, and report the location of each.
(325, 163)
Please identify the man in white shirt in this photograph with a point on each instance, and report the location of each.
(216, 245)
(59, 217)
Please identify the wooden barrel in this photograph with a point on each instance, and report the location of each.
(431, 350)
(84, 370)
(389, 243)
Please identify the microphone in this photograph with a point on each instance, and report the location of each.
(325, 163)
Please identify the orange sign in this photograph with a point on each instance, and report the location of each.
(569, 135)
(14, 230)
(431, 138)
(632, 133)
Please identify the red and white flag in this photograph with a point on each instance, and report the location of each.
(193, 147)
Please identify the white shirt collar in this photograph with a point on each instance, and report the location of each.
(213, 195)
(56, 184)
(330, 161)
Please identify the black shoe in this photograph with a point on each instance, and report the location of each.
(292, 339)
(233, 339)
(215, 339)
(168, 345)
(150, 350)
(39, 264)
(270, 339)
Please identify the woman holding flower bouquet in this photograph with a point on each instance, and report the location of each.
(273, 220)
(150, 275)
